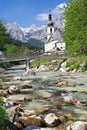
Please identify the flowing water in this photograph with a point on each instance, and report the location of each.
(47, 97)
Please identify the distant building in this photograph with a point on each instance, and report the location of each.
(1, 53)
(54, 38)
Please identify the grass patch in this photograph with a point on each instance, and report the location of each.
(45, 60)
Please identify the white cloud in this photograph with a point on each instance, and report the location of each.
(42, 17)
(59, 8)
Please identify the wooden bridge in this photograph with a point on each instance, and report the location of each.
(27, 58)
(20, 58)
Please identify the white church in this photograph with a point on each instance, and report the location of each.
(54, 40)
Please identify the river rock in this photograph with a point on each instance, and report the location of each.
(17, 78)
(62, 70)
(29, 112)
(78, 103)
(78, 125)
(10, 112)
(29, 72)
(2, 70)
(43, 68)
(16, 99)
(8, 104)
(13, 90)
(38, 128)
(32, 128)
(52, 120)
(5, 93)
(26, 84)
(62, 83)
(67, 97)
(31, 120)
(74, 70)
(32, 72)
(43, 94)
(71, 99)
(19, 125)
(26, 91)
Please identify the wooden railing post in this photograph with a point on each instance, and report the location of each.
(27, 65)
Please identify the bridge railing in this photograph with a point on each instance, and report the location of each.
(20, 58)
(29, 56)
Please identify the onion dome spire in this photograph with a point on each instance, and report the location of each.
(50, 22)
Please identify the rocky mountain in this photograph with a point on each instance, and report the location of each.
(24, 34)
(15, 31)
(59, 20)
(34, 32)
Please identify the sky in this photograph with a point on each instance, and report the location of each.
(28, 12)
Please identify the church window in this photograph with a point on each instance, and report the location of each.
(51, 30)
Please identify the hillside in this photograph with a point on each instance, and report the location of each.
(35, 43)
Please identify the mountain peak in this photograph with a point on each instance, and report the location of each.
(15, 31)
(61, 6)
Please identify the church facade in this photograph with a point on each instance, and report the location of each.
(54, 38)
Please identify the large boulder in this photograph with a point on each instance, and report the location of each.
(51, 120)
(78, 125)
(31, 120)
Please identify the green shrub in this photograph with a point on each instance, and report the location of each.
(3, 116)
(84, 68)
(73, 64)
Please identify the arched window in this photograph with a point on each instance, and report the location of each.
(51, 30)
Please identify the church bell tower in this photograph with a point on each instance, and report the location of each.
(50, 26)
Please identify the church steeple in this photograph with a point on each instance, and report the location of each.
(50, 26)
(50, 22)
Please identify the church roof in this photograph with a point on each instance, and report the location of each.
(56, 36)
(50, 23)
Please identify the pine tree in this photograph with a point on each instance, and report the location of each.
(76, 26)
